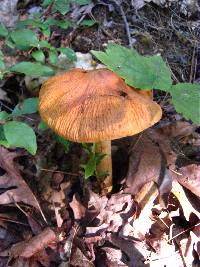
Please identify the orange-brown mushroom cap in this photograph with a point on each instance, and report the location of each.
(93, 106)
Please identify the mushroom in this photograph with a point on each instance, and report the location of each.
(96, 106)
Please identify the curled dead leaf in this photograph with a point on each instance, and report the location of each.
(27, 249)
(14, 187)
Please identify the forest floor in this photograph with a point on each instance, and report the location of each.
(49, 213)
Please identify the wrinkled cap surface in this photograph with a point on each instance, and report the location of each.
(97, 105)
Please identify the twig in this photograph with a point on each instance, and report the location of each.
(149, 260)
(193, 64)
(178, 173)
(12, 221)
(69, 173)
(122, 13)
(175, 236)
(26, 214)
(173, 75)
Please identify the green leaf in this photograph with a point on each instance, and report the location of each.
(44, 44)
(4, 115)
(53, 57)
(3, 30)
(25, 22)
(46, 32)
(32, 69)
(29, 106)
(32, 22)
(3, 140)
(65, 143)
(138, 71)
(61, 6)
(24, 38)
(1, 55)
(19, 134)
(68, 52)
(42, 126)
(64, 24)
(2, 65)
(82, 2)
(87, 23)
(9, 43)
(46, 3)
(38, 56)
(90, 166)
(186, 99)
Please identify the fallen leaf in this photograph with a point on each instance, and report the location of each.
(57, 198)
(27, 249)
(117, 211)
(187, 207)
(131, 249)
(78, 209)
(143, 168)
(78, 259)
(14, 187)
(189, 177)
(114, 256)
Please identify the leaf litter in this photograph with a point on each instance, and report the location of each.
(150, 220)
(14, 187)
(146, 231)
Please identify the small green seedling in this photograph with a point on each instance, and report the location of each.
(94, 159)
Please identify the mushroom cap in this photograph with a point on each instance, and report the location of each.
(95, 105)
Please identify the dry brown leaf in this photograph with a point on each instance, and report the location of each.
(27, 249)
(114, 256)
(152, 152)
(189, 177)
(78, 259)
(132, 249)
(96, 201)
(16, 189)
(117, 211)
(57, 198)
(144, 219)
(145, 168)
(187, 207)
(78, 209)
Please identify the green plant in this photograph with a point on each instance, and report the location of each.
(94, 159)
(15, 133)
(151, 72)
(62, 6)
(27, 40)
(32, 37)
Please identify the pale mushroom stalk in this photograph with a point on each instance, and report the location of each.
(105, 166)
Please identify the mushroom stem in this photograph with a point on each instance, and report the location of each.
(105, 166)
